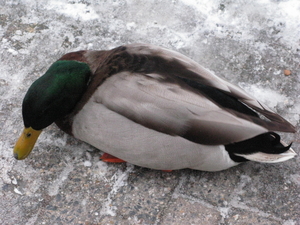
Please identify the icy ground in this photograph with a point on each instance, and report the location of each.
(249, 43)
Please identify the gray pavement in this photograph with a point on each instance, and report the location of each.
(249, 43)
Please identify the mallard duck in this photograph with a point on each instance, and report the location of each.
(154, 108)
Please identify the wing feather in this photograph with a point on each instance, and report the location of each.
(168, 61)
(174, 108)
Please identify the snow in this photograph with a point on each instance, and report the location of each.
(53, 189)
(240, 20)
(87, 163)
(119, 179)
(17, 191)
(263, 94)
(74, 9)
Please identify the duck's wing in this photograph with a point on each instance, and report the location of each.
(164, 61)
(168, 92)
(172, 107)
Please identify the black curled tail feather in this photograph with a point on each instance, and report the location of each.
(267, 143)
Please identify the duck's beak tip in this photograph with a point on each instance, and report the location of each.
(16, 155)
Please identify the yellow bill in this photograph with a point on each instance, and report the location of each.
(26, 143)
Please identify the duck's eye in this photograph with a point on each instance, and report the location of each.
(28, 135)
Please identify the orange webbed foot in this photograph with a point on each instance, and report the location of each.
(111, 159)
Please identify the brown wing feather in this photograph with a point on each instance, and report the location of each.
(165, 61)
(172, 107)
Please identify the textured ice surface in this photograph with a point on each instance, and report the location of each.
(249, 43)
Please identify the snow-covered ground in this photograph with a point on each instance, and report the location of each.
(249, 43)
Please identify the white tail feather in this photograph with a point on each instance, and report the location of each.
(270, 158)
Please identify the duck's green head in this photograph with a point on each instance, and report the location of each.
(51, 97)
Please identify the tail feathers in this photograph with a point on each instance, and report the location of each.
(265, 148)
(269, 158)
